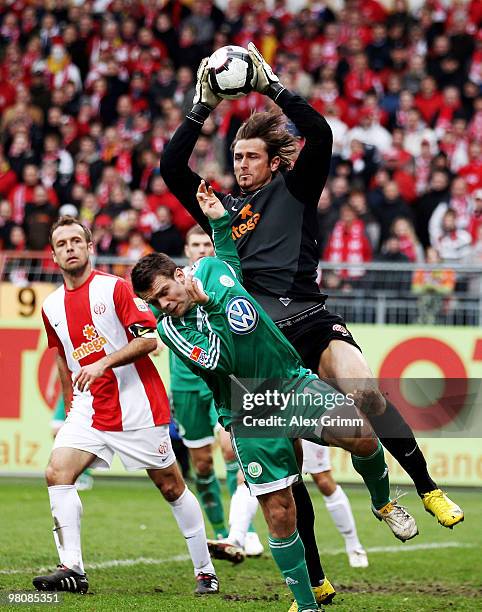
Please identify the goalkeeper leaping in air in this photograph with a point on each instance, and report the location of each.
(220, 331)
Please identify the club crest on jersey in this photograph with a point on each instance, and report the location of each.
(94, 344)
(226, 281)
(99, 308)
(199, 355)
(242, 315)
(339, 328)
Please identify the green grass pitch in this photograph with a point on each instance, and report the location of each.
(137, 559)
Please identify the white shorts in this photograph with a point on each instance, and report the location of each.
(316, 458)
(138, 449)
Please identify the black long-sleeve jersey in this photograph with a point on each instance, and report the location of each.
(275, 227)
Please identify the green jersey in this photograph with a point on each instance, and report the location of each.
(230, 337)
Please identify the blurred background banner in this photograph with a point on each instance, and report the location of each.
(393, 352)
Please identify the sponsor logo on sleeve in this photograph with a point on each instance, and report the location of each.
(141, 305)
(199, 355)
(342, 330)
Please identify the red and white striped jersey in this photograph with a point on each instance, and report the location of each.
(92, 321)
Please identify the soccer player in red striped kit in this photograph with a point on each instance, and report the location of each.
(103, 334)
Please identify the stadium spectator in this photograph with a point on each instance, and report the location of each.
(458, 202)
(425, 205)
(348, 243)
(395, 281)
(167, 238)
(475, 220)
(370, 132)
(408, 242)
(450, 242)
(40, 213)
(388, 208)
(6, 223)
(358, 202)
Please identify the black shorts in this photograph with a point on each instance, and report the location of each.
(311, 331)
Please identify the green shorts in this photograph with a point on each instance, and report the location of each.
(195, 416)
(268, 464)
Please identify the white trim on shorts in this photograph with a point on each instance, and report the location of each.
(275, 485)
(198, 443)
(138, 449)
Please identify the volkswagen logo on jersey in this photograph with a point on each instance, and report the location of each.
(242, 315)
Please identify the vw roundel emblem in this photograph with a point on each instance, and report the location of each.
(242, 315)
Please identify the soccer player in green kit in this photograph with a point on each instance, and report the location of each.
(220, 331)
(195, 415)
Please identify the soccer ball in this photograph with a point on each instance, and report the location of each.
(231, 72)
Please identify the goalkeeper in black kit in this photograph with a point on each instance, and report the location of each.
(274, 226)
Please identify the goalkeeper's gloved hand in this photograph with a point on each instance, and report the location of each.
(267, 82)
(205, 100)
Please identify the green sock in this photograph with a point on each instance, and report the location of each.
(232, 468)
(209, 493)
(374, 472)
(289, 554)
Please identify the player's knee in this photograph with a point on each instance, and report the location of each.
(57, 475)
(364, 447)
(203, 466)
(370, 401)
(171, 488)
(280, 515)
(228, 454)
(325, 483)
(169, 491)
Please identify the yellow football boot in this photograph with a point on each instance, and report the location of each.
(323, 595)
(442, 508)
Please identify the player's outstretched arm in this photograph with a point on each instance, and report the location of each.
(175, 171)
(221, 227)
(309, 174)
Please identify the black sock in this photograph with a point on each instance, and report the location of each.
(305, 522)
(397, 437)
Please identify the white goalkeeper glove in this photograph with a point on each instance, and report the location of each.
(205, 100)
(267, 82)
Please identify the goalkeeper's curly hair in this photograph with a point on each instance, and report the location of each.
(270, 127)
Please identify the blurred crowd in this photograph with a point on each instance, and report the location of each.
(92, 90)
